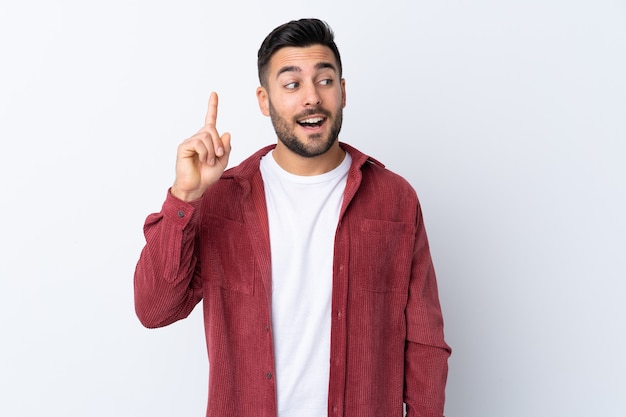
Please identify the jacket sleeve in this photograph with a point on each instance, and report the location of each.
(426, 352)
(167, 279)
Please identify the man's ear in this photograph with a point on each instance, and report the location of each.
(264, 101)
(343, 93)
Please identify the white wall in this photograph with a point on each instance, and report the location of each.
(508, 117)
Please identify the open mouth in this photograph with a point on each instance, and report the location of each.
(312, 121)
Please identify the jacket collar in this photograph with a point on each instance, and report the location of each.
(247, 168)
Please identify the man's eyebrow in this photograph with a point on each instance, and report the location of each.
(289, 68)
(322, 65)
(295, 68)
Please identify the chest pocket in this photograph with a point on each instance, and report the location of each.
(381, 255)
(227, 255)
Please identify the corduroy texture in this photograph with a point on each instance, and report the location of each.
(387, 344)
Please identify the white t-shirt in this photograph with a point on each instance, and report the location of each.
(303, 212)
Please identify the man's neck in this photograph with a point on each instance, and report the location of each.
(307, 166)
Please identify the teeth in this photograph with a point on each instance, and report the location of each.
(312, 120)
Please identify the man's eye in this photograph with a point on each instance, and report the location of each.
(291, 86)
(327, 81)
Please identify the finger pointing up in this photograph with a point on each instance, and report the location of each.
(211, 115)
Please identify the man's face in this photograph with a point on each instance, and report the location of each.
(304, 96)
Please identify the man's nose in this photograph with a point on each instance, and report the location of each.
(311, 96)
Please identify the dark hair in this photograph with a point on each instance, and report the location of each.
(299, 33)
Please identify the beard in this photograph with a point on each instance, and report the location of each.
(315, 144)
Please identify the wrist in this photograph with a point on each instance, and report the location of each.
(186, 196)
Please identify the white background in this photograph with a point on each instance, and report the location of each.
(508, 117)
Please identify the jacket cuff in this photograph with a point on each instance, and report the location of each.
(180, 212)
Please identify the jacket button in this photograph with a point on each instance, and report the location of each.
(269, 375)
(181, 214)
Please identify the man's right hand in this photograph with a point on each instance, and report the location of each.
(202, 158)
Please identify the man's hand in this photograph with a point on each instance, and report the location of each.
(202, 158)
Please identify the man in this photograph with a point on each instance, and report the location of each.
(312, 259)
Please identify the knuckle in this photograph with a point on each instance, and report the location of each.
(203, 135)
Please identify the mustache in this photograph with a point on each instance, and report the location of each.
(311, 112)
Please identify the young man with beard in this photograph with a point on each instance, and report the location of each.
(312, 260)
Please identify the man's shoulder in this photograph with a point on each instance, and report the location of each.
(374, 170)
(376, 182)
(385, 181)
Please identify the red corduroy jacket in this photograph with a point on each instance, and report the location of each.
(387, 343)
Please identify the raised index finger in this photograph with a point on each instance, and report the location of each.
(211, 114)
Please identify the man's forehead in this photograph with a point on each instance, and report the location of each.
(291, 58)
